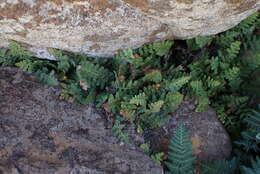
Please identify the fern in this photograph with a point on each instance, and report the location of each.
(255, 167)
(64, 61)
(173, 101)
(139, 99)
(233, 51)
(26, 65)
(219, 167)
(198, 42)
(157, 157)
(156, 106)
(162, 48)
(47, 77)
(176, 84)
(17, 51)
(154, 76)
(249, 25)
(159, 49)
(180, 158)
(93, 75)
(250, 141)
(201, 94)
(117, 130)
(233, 77)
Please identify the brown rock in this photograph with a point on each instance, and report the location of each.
(39, 134)
(209, 138)
(101, 27)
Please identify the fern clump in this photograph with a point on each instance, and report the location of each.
(219, 167)
(145, 86)
(180, 159)
(250, 140)
(255, 167)
(93, 75)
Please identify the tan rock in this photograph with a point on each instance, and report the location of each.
(101, 27)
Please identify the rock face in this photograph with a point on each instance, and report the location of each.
(101, 27)
(208, 136)
(41, 134)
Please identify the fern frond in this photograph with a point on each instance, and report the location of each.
(173, 101)
(26, 65)
(93, 75)
(139, 100)
(156, 106)
(180, 158)
(248, 25)
(233, 50)
(219, 167)
(201, 95)
(159, 49)
(250, 140)
(255, 167)
(16, 50)
(162, 48)
(176, 84)
(47, 77)
(154, 76)
(117, 130)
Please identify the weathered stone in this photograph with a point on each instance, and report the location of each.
(101, 27)
(40, 134)
(208, 136)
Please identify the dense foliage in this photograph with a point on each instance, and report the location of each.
(144, 86)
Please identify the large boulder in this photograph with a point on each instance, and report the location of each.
(40, 134)
(101, 27)
(208, 136)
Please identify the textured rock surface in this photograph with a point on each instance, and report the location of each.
(40, 134)
(100, 27)
(209, 138)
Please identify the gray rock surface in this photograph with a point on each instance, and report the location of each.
(101, 27)
(40, 134)
(208, 136)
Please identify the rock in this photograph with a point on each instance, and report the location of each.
(208, 136)
(101, 27)
(41, 134)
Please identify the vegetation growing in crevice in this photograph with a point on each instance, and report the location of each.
(144, 86)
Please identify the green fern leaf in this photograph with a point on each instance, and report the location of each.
(180, 158)
(93, 75)
(219, 167)
(233, 51)
(255, 167)
(250, 139)
(47, 77)
(139, 100)
(174, 100)
(156, 106)
(162, 48)
(26, 65)
(176, 84)
(117, 130)
(154, 76)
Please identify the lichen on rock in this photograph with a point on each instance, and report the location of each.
(101, 27)
(41, 134)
